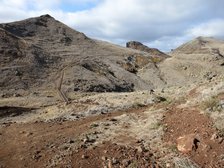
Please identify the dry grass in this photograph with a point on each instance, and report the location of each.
(138, 105)
(184, 163)
(210, 104)
(156, 59)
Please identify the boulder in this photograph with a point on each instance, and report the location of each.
(187, 143)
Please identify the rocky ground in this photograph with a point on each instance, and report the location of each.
(172, 128)
(70, 101)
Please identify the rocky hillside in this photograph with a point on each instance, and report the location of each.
(177, 124)
(153, 51)
(197, 61)
(35, 51)
(21, 61)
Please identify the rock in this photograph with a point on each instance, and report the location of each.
(29, 134)
(114, 161)
(89, 140)
(2, 95)
(187, 143)
(158, 99)
(83, 146)
(168, 165)
(16, 95)
(17, 73)
(104, 158)
(84, 156)
(220, 140)
(140, 141)
(37, 155)
(139, 149)
(94, 125)
(214, 137)
(113, 119)
(86, 140)
(126, 162)
(71, 141)
(22, 132)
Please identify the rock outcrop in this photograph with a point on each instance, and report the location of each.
(153, 51)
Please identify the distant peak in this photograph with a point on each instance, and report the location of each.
(133, 43)
(205, 39)
(199, 45)
(139, 46)
(46, 16)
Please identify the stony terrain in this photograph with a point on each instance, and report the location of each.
(132, 107)
(89, 65)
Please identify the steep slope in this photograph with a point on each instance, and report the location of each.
(153, 51)
(88, 65)
(21, 62)
(150, 73)
(34, 53)
(197, 61)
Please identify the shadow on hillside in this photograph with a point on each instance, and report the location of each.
(10, 111)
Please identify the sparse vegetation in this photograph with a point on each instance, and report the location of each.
(156, 125)
(156, 59)
(159, 99)
(184, 163)
(221, 133)
(173, 148)
(210, 104)
(134, 164)
(138, 105)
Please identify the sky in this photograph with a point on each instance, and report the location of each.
(162, 24)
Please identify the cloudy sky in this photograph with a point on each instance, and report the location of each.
(164, 24)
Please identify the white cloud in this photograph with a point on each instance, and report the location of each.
(159, 23)
(213, 28)
(122, 17)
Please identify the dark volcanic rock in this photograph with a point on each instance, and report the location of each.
(139, 46)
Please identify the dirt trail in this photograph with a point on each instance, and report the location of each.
(184, 121)
(44, 144)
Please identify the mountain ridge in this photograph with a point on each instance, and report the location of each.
(98, 66)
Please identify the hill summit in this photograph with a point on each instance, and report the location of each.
(39, 49)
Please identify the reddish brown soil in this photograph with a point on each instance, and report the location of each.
(115, 156)
(179, 122)
(35, 144)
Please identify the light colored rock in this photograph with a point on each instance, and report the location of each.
(214, 137)
(187, 143)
